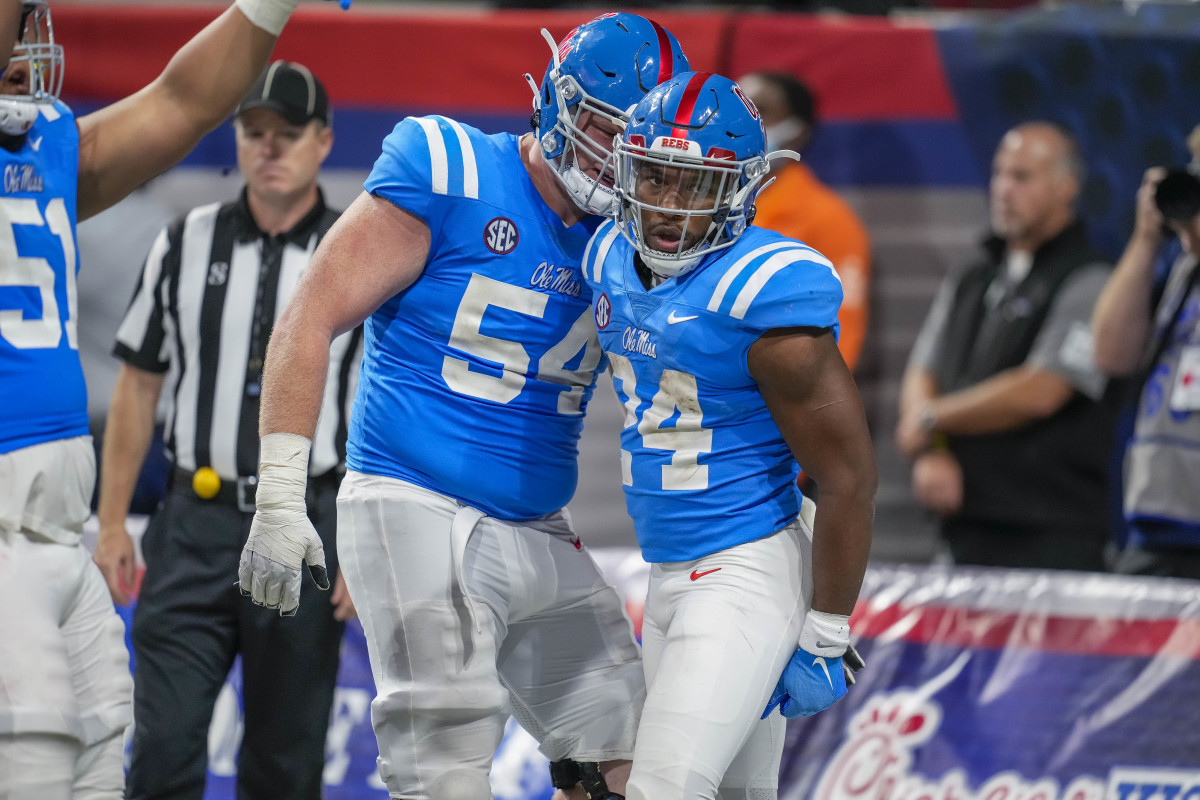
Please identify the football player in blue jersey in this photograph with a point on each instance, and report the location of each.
(480, 357)
(722, 341)
(64, 676)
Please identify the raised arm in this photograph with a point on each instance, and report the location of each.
(1121, 322)
(10, 23)
(127, 143)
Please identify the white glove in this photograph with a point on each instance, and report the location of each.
(281, 535)
(824, 634)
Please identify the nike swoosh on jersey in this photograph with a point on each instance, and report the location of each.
(696, 574)
(825, 667)
(36, 144)
(672, 319)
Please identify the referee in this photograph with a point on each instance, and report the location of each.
(199, 321)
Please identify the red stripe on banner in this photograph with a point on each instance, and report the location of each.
(979, 628)
(369, 57)
(666, 60)
(687, 103)
(858, 68)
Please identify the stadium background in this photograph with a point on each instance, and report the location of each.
(912, 109)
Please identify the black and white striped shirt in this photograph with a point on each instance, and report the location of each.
(210, 291)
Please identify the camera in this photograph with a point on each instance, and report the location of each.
(1177, 195)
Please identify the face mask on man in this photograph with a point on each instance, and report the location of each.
(781, 133)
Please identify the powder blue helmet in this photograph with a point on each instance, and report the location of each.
(38, 60)
(691, 159)
(604, 67)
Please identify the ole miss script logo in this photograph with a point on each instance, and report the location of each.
(500, 235)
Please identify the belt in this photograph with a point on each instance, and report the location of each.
(240, 493)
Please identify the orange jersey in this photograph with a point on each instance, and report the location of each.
(800, 206)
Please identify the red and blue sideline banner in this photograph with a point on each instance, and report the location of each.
(980, 685)
(1011, 685)
(887, 104)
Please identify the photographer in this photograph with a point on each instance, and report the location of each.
(1160, 341)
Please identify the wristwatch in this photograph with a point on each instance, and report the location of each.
(927, 420)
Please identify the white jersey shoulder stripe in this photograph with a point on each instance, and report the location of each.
(732, 273)
(589, 247)
(605, 245)
(470, 170)
(438, 161)
(767, 269)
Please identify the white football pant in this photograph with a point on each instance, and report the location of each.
(470, 618)
(65, 687)
(716, 635)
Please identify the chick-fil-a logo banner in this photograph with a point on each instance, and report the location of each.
(1011, 685)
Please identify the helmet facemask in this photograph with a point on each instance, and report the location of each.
(34, 74)
(676, 206)
(566, 140)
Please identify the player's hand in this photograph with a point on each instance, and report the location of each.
(809, 684)
(815, 678)
(114, 556)
(281, 536)
(1148, 221)
(269, 570)
(343, 606)
(852, 662)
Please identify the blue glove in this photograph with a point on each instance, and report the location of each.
(815, 678)
(809, 684)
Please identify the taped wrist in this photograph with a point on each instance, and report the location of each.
(270, 15)
(282, 471)
(825, 634)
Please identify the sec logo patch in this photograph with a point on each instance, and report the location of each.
(603, 312)
(500, 235)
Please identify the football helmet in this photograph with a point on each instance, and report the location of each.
(688, 168)
(34, 74)
(604, 67)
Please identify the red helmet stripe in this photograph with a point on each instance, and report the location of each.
(687, 103)
(666, 60)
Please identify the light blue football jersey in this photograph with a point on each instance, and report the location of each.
(704, 465)
(475, 379)
(42, 394)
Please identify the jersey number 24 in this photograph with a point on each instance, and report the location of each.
(685, 441)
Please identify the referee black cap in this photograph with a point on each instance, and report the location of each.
(290, 90)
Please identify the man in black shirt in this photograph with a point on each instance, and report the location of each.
(1007, 420)
(199, 321)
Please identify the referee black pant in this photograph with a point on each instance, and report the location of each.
(190, 623)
